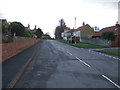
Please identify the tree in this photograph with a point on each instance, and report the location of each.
(59, 29)
(96, 28)
(5, 28)
(27, 34)
(39, 33)
(108, 35)
(57, 32)
(18, 28)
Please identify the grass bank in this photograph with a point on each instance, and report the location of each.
(111, 51)
(81, 45)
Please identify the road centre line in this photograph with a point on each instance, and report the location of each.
(111, 81)
(69, 53)
(83, 62)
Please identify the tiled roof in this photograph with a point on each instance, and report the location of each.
(78, 29)
(72, 30)
(83, 27)
(115, 29)
(96, 34)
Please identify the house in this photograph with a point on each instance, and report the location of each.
(86, 31)
(75, 35)
(28, 28)
(71, 35)
(115, 29)
(96, 34)
(46, 36)
(66, 34)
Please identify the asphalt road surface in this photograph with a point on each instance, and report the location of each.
(58, 65)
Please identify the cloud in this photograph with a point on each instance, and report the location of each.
(108, 4)
(1, 15)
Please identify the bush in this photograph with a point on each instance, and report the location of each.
(108, 35)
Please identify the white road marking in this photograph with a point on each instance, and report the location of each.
(111, 81)
(114, 57)
(61, 49)
(108, 56)
(69, 53)
(83, 62)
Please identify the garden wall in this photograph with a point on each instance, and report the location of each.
(19, 44)
(96, 41)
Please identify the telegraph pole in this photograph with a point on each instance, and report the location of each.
(75, 30)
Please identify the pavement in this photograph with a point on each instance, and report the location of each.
(13, 65)
(58, 65)
(106, 48)
(103, 53)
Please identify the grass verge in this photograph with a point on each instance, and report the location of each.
(81, 45)
(111, 51)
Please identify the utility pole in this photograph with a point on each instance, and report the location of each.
(75, 30)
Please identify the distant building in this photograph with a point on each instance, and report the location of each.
(86, 31)
(115, 29)
(75, 35)
(46, 36)
(28, 27)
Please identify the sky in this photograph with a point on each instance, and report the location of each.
(47, 13)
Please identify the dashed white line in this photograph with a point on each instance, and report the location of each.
(69, 53)
(106, 55)
(110, 56)
(111, 81)
(83, 62)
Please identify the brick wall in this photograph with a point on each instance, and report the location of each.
(0, 52)
(12, 48)
(116, 43)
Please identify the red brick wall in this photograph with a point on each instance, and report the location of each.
(19, 44)
(0, 52)
(116, 43)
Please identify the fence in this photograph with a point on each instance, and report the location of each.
(19, 43)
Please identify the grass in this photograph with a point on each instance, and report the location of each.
(81, 45)
(112, 51)
(84, 45)
(63, 41)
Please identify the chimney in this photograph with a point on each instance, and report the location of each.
(35, 26)
(83, 23)
(28, 25)
(117, 24)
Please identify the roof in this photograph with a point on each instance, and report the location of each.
(71, 30)
(83, 27)
(96, 34)
(78, 29)
(115, 29)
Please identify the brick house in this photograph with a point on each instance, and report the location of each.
(86, 31)
(115, 29)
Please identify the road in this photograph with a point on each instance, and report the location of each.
(58, 65)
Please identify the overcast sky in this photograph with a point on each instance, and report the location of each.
(47, 13)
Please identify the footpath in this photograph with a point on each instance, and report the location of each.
(98, 50)
(106, 48)
(14, 64)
